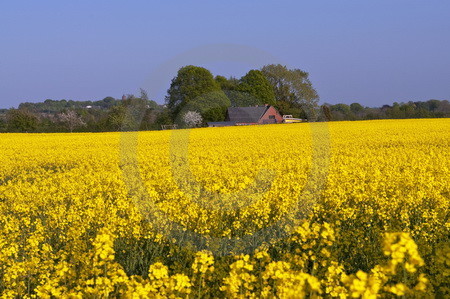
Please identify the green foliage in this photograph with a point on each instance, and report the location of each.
(428, 109)
(149, 120)
(116, 117)
(132, 114)
(52, 106)
(289, 108)
(343, 108)
(241, 99)
(21, 120)
(227, 84)
(190, 83)
(342, 112)
(163, 118)
(252, 89)
(2, 125)
(292, 86)
(212, 106)
(257, 86)
(356, 107)
(237, 98)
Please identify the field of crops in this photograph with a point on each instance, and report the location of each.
(340, 209)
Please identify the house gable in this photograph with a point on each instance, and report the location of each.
(271, 115)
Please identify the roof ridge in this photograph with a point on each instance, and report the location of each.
(251, 114)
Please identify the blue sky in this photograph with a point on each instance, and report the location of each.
(372, 52)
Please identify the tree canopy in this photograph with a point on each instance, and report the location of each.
(21, 120)
(212, 106)
(190, 83)
(292, 86)
(257, 86)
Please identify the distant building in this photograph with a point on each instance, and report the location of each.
(241, 116)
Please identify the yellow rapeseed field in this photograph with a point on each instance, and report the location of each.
(340, 209)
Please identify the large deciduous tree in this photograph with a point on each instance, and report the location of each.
(252, 89)
(237, 98)
(227, 84)
(292, 86)
(190, 84)
(257, 86)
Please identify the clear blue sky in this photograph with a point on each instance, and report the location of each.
(373, 52)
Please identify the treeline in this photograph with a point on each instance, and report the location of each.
(418, 109)
(109, 114)
(196, 97)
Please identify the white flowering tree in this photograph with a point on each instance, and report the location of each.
(192, 119)
(71, 119)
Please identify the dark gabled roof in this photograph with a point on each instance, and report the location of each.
(246, 114)
(221, 123)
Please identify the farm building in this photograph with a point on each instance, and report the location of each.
(239, 116)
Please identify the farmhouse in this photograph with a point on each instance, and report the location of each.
(240, 116)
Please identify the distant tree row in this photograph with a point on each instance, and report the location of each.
(196, 97)
(51, 106)
(418, 109)
(108, 114)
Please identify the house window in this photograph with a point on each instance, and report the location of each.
(271, 116)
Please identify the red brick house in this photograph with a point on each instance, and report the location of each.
(240, 116)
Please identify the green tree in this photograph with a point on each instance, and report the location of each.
(227, 84)
(241, 99)
(118, 119)
(341, 112)
(212, 106)
(433, 105)
(131, 111)
(190, 83)
(163, 118)
(2, 123)
(21, 120)
(237, 98)
(356, 107)
(115, 118)
(257, 86)
(443, 110)
(106, 102)
(292, 86)
(343, 108)
(289, 108)
(408, 109)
